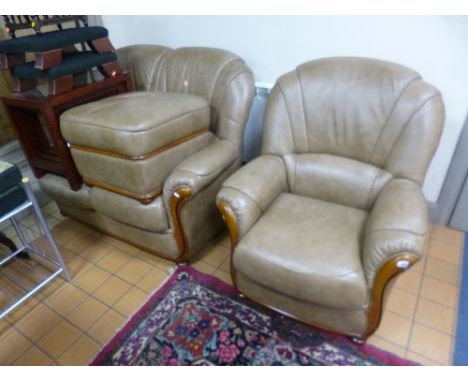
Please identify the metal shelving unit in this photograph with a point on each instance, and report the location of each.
(54, 258)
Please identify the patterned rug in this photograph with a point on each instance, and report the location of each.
(195, 319)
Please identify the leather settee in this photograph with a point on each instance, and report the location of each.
(153, 160)
(333, 207)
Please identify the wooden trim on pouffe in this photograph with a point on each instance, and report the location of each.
(139, 157)
(178, 199)
(142, 198)
(390, 269)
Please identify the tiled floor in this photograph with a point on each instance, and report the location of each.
(67, 323)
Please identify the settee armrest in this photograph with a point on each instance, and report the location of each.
(200, 169)
(249, 192)
(397, 225)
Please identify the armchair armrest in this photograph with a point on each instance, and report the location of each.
(199, 170)
(191, 176)
(397, 224)
(249, 192)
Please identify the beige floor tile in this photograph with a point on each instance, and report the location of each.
(431, 344)
(15, 344)
(52, 222)
(9, 232)
(434, 315)
(104, 328)
(77, 266)
(385, 345)
(225, 276)
(50, 288)
(418, 358)
(92, 279)
(66, 299)
(152, 280)
(400, 302)
(222, 239)
(97, 251)
(112, 290)
(80, 241)
(440, 292)
(166, 265)
(443, 271)
(59, 339)
(447, 235)
(58, 215)
(34, 357)
(394, 328)
(214, 255)
(80, 353)
(114, 260)
(22, 310)
(409, 281)
(130, 302)
(87, 313)
(226, 265)
(4, 326)
(127, 248)
(134, 270)
(204, 267)
(63, 233)
(446, 252)
(419, 266)
(50, 208)
(29, 221)
(38, 322)
(150, 258)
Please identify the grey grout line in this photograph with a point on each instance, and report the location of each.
(408, 342)
(218, 243)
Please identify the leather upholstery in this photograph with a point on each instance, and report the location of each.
(128, 124)
(292, 250)
(150, 217)
(201, 93)
(336, 193)
(137, 176)
(215, 74)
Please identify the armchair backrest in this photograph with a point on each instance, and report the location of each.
(218, 75)
(346, 126)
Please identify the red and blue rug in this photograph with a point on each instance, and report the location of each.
(195, 319)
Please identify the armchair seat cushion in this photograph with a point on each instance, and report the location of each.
(308, 249)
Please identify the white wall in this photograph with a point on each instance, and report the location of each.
(435, 46)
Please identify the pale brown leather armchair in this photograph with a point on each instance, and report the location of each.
(333, 207)
(153, 160)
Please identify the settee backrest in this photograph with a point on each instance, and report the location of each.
(218, 75)
(344, 124)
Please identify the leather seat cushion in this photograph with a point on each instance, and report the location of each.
(308, 249)
(136, 123)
